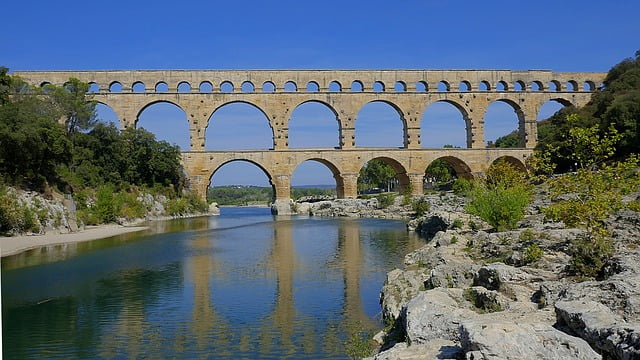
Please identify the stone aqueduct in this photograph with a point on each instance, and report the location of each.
(199, 93)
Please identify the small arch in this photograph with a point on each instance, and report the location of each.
(572, 85)
(335, 86)
(247, 87)
(464, 86)
(554, 85)
(519, 85)
(516, 163)
(378, 86)
(138, 87)
(205, 87)
(290, 86)
(184, 87)
(268, 87)
(162, 87)
(93, 88)
(421, 86)
(589, 86)
(356, 86)
(226, 87)
(400, 86)
(313, 86)
(443, 86)
(115, 87)
(461, 168)
(44, 83)
(537, 86)
(502, 86)
(484, 86)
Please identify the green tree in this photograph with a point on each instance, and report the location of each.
(75, 105)
(376, 173)
(511, 140)
(441, 170)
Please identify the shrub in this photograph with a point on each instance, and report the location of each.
(105, 207)
(385, 200)
(420, 206)
(457, 223)
(532, 253)
(500, 206)
(462, 186)
(634, 206)
(589, 255)
(502, 172)
(527, 235)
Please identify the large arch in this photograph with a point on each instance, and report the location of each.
(445, 123)
(167, 121)
(403, 180)
(550, 107)
(240, 172)
(380, 117)
(461, 168)
(106, 114)
(314, 124)
(238, 125)
(503, 117)
(515, 162)
(312, 172)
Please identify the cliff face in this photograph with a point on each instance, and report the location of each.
(474, 294)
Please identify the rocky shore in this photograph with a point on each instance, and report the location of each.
(473, 293)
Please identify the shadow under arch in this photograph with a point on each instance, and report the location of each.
(254, 163)
(400, 171)
(459, 166)
(237, 126)
(465, 118)
(161, 121)
(339, 181)
(316, 132)
(516, 163)
(380, 123)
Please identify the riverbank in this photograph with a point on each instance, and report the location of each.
(16, 244)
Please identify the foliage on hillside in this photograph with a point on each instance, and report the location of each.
(245, 195)
(613, 110)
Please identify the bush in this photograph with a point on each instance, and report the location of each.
(385, 200)
(420, 206)
(500, 206)
(457, 223)
(532, 253)
(589, 255)
(105, 207)
(462, 186)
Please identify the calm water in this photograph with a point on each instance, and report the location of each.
(244, 285)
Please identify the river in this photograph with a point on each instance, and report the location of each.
(242, 285)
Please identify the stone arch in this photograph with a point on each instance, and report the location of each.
(313, 130)
(238, 126)
(443, 86)
(162, 122)
(519, 85)
(138, 87)
(268, 86)
(205, 87)
(464, 86)
(248, 161)
(421, 86)
(227, 87)
(93, 88)
(290, 86)
(588, 86)
(554, 85)
(339, 180)
(312, 86)
(378, 86)
(105, 113)
(404, 182)
(357, 86)
(515, 162)
(520, 118)
(572, 85)
(395, 107)
(502, 86)
(161, 87)
(537, 86)
(183, 87)
(400, 86)
(115, 87)
(461, 168)
(484, 85)
(466, 121)
(335, 86)
(247, 87)
(550, 107)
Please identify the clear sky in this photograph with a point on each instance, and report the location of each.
(560, 35)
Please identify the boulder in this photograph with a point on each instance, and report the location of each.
(398, 289)
(434, 349)
(605, 331)
(487, 339)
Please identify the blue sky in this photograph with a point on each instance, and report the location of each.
(568, 35)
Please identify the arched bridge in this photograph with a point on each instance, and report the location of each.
(199, 93)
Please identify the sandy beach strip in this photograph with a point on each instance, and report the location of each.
(17, 244)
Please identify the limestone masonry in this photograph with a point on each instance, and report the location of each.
(199, 93)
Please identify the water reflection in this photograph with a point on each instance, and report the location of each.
(243, 286)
